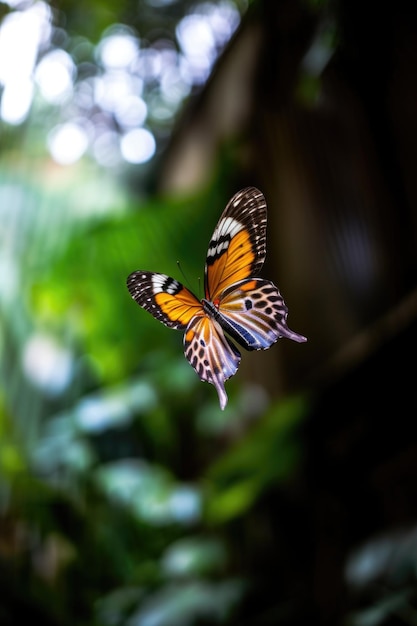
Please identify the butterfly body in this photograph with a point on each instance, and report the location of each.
(249, 309)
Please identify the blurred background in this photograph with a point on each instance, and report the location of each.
(127, 497)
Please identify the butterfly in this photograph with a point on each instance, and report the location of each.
(237, 305)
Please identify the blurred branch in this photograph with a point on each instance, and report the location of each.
(366, 343)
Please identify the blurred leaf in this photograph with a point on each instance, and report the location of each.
(150, 493)
(115, 607)
(267, 455)
(189, 603)
(193, 556)
(391, 605)
(86, 286)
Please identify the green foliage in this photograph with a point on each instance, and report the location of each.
(127, 497)
(238, 478)
(112, 499)
(85, 288)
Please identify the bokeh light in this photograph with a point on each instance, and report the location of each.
(138, 145)
(54, 76)
(129, 80)
(118, 50)
(16, 101)
(47, 364)
(67, 143)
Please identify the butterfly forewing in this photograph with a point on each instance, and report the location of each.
(211, 354)
(165, 298)
(238, 246)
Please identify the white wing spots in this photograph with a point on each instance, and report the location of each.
(219, 248)
(162, 283)
(158, 281)
(229, 226)
(171, 287)
(226, 229)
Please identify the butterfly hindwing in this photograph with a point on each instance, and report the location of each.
(254, 313)
(211, 354)
(165, 298)
(238, 246)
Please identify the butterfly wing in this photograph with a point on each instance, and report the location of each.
(254, 313)
(211, 354)
(238, 246)
(250, 310)
(165, 298)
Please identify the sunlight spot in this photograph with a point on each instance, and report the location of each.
(54, 75)
(131, 111)
(203, 33)
(185, 504)
(31, 26)
(16, 101)
(118, 50)
(12, 3)
(114, 87)
(98, 413)
(138, 145)
(223, 18)
(47, 364)
(67, 143)
(197, 42)
(195, 36)
(148, 65)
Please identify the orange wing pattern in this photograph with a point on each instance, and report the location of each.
(211, 354)
(238, 247)
(249, 309)
(169, 301)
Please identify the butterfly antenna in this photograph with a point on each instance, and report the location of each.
(183, 274)
(186, 281)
